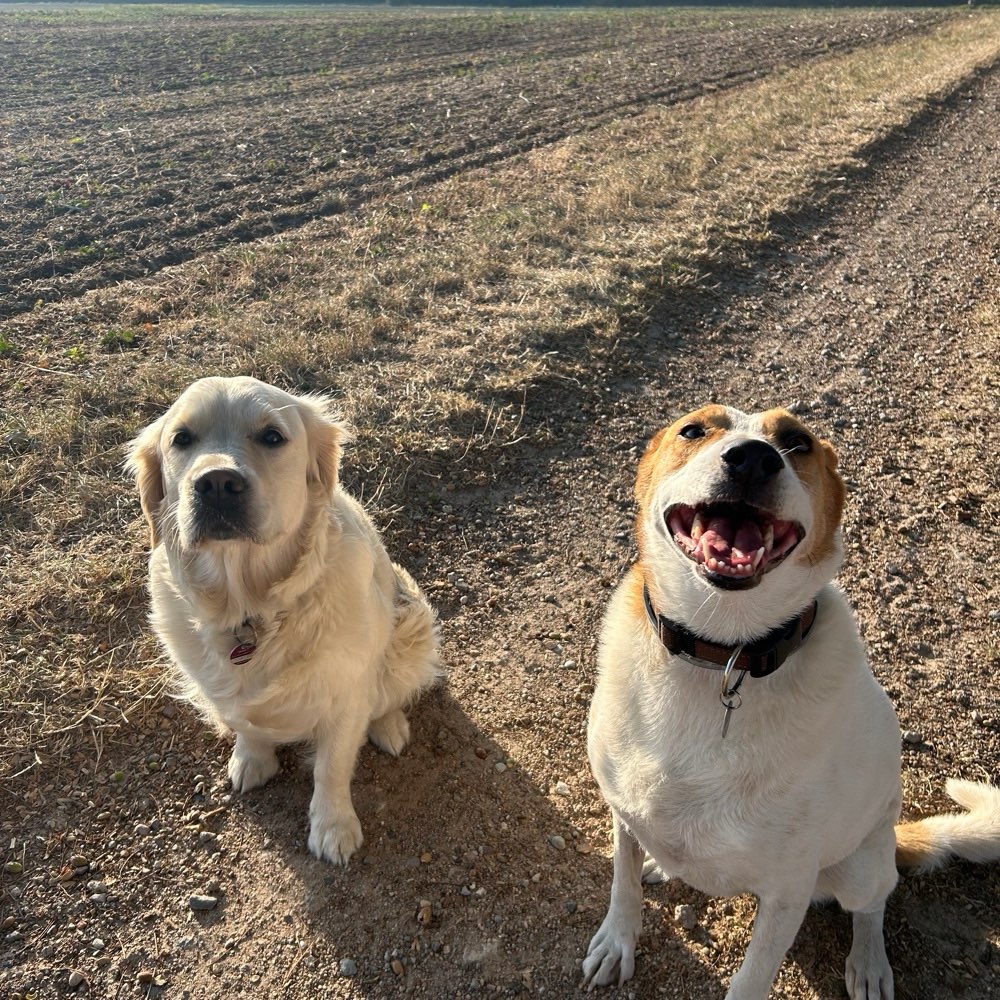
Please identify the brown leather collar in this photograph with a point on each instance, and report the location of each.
(758, 658)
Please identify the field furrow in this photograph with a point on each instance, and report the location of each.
(325, 116)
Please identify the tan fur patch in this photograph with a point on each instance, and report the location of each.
(633, 589)
(144, 464)
(915, 845)
(668, 451)
(817, 471)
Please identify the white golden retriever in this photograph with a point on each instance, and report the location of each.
(737, 731)
(272, 591)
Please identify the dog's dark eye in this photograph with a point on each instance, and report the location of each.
(271, 437)
(797, 441)
(182, 438)
(692, 431)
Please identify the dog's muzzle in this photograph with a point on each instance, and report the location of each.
(220, 505)
(733, 544)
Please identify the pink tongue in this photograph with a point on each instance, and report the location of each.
(721, 536)
(717, 539)
(748, 538)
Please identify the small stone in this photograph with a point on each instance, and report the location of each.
(912, 736)
(562, 788)
(13, 868)
(397, 966)
(570, 906)
(426, 858)
(686, 917)
(141, 830)
(425, 912)
(79, 861)
(76, 978)
(499, 767)
(97, 944)
(348, 967)
(145, 977)
(583, 847)
(569, 665)
(559, 843)
(198, 902)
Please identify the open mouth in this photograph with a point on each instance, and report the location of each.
(733, 544)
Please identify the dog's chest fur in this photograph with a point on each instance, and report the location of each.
(305, 654)
(721, 813)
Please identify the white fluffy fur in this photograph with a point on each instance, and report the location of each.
(799, 801)
(345, 639)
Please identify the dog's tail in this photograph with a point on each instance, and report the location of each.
(974, 835)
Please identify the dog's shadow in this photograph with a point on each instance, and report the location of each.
(471, 878)
(463, 886)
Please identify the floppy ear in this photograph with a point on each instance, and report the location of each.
(644, 477)
(143, 463)
(835, 493)
(326, 433)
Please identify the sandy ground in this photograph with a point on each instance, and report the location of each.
(864, 315)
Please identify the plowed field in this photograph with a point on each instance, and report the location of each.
(134, 143)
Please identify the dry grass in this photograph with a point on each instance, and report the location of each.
(431, 315)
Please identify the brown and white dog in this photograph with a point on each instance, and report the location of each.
(272, 592)
(737, 731)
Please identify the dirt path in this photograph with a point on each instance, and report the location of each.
(868, 317)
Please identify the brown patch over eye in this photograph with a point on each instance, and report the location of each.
(815, 463)
(674, 446)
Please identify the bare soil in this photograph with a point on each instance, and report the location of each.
(873, 311)
(126, 152)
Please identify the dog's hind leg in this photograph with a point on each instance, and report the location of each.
(410, 663)
(390, 732)
(861, 883)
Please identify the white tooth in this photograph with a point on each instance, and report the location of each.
(768, 536)
(757, 556)
(713, 563)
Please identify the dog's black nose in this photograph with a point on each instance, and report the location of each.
(220, 485)
(752, 461)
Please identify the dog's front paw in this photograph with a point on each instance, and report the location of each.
(251, 765)
(334, 836)
(611, 956)
(390, 732)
